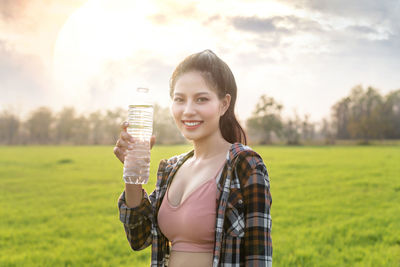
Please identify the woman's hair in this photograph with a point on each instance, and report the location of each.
(218, 76)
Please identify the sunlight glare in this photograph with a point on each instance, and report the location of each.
(100, 33)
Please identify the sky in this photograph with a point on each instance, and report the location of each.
(91, 55)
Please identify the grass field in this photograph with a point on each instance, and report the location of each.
(332, 206)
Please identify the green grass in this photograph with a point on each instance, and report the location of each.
(332, 206)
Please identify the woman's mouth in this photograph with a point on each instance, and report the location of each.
(191, 124)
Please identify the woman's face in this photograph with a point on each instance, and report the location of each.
(196, 107)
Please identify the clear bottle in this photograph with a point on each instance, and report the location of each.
(140, 118)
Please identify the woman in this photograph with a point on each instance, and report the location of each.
(211, 206)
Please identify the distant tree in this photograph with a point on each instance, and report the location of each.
(65, 125)
(365, 114)
(81, 131)
(265, 120)
(97, 134)
(9, 126)
(327, 132)
(391, 115)
(39, 126)
(111, 124)
(292, 130)
(307, 129)
(341, 113)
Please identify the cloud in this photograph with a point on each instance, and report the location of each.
(254, 24)
(159, 18)
(362, 29)
(277, 38)
(116, 81)
(171, 11)
(380, 15)
(282, 24)
(344, 8)
(12, 9)
(15, 69)
(21, 79)
(212, 19)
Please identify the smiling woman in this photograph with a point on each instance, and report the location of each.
(220, 188)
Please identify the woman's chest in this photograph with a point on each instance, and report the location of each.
(187, 181)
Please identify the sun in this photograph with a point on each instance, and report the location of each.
(100, 39)
(107, 48)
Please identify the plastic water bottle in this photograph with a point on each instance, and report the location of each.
(140, 118)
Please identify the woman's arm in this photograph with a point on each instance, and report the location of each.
(133, 195)
(137, 221)
(257, 203)
(134, 205)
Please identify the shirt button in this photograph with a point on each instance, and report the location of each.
(240, 201)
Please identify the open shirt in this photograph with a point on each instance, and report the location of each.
(243, 219)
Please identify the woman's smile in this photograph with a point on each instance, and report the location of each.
(191, 125)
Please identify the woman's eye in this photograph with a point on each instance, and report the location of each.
(178, 99)
(202, 99)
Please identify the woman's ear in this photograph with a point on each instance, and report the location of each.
(226, 101)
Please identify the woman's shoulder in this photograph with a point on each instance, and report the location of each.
(248, 163)
(167, 165)
(170, 163)
(240, 154)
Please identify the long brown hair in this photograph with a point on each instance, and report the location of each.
(218, 76)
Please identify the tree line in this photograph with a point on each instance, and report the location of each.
(363, 115)
(67, 127)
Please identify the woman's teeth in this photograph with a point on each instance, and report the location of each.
(191, 123)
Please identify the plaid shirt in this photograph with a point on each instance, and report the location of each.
(243, 221)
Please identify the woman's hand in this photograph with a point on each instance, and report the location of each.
(124, 142)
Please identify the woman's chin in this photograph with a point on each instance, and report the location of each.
(189, 136)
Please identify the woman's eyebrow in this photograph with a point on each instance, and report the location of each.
(202, 93)
(196, 94)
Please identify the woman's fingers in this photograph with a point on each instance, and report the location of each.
(124, 125)
(121, 143)
(125, 141)
(124, 134)
(119, 153)
(125, 138)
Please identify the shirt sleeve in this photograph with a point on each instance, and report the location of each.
(257, 200)
(138, 221)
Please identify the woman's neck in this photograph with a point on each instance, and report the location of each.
(210, 147)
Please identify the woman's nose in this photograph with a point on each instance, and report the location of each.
(189, 108)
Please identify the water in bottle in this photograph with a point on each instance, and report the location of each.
(140, 118)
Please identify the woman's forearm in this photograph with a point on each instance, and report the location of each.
(133, 195)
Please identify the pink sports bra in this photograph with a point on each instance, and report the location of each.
(190, 226)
